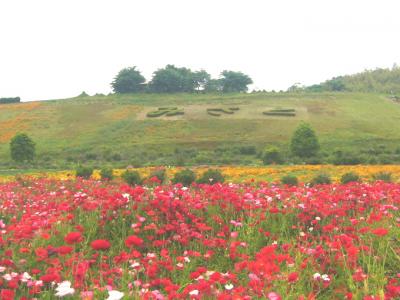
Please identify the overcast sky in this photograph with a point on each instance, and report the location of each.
(53, 49)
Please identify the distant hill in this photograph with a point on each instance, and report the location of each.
(369, 81)
(115, 129)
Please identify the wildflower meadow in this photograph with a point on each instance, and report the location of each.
(93, 239)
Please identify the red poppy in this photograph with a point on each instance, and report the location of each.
(7, 294)
(293, 277)
(380, 231)
(73, 237)
(63, 250)
(133, 240)
(100, 244)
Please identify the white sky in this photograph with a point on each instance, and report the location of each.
(58, 48)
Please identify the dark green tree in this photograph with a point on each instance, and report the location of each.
(128, 80)
(213, 85)
(22, 148)
(304, 141)
(173, 80)
(234, 81)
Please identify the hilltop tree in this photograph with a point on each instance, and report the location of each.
(172, 80)
(22, 148)
(201, 79)
(128, 80)
(234, 81)
(304, 141)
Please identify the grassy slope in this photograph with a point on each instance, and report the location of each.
(118, 124)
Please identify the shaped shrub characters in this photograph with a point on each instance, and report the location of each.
(165, 111)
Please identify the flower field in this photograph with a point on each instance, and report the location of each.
(244, 173)
(88, 239)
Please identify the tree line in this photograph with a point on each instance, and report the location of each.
(172, 79)
(379, 80)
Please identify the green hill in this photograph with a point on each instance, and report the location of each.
(115, 129)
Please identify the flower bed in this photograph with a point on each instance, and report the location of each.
(95, 240)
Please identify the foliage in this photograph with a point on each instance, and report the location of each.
(304, 141)
(186, 177)
(128, 80)
(160, 174)
(350, 177)
(211, 176)
(10, 100)
(382, 176)
(290, 180)
(131, 177)
(22, 148)
(232, 82)
(346, 158)
(375, 81)
(83, 171)
(172, 79)
(272, 155)
(321, 179)
(106, 173)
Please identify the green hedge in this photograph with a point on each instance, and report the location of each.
(167, 111)
(279, 114)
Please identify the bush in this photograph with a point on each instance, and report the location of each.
(290, 180)
(211, 176)
(159, 173)
(382, 176)
(186, 177)
(304, 141)
(350, 177)
(321, 179)
(106, 173)
(132, 177)
(272, 156)
(22, 148)
(84, 172)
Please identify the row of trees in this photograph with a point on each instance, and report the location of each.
(172, 79)
(375, 81)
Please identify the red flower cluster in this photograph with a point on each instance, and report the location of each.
(229, 241)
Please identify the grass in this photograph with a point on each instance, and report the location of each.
(117, 123)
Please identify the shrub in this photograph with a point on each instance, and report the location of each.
(186, 177)
(22, 148)
(159, 173)
(84, 172)
(290, 180)
(272, 156)
(279, 113)
(321, 179)
(349, 177)
(132, 177)
(106, 173)
(382, 176)
(211, 176)
(304, 141)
